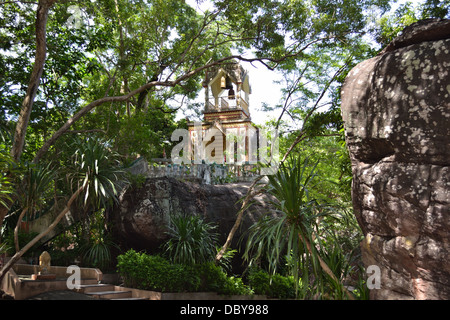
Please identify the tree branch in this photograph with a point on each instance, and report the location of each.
(302, 132)
(19, 254)
(290, 93)
(29, 2)
(16, 229)
(86, 131)
(33, 85)
(237, 223)
(123, 98)
(213, 15)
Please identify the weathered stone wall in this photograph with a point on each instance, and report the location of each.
(396, 109)
(140, 219)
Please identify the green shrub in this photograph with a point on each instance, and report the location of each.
(24, 238)
(213, 278)
(259, 281)
(148, 272)
(65, 248)
(277, 286)
(129, 266)
(236, 286)
(283, 287)
(64, 257)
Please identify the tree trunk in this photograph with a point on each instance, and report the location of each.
(237, 223)
(33, 85)
(16, 229)
(4, 210)
(21, 252)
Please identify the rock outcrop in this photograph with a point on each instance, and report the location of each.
(396, 110)
(140, 219)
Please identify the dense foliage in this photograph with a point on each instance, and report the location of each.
(87, 87)
(191, 240)
(306, 234)
(143, 271)
(151, 272)
(276, 286)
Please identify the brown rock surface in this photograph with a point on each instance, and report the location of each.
(141, 218)
(396, 109)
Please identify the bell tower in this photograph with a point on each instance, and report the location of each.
(227, 92)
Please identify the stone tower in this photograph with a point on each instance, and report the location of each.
(226, 129)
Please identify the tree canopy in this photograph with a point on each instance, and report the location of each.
(117, 71)
(113, 61)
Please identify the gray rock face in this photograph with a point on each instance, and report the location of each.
(140, 220)
(396, 109)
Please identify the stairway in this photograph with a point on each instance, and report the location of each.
(106, 292)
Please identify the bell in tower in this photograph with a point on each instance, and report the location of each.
(231, 94)
(225, 83)
(227, 91)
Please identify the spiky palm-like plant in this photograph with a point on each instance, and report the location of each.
(96, 167)
(192, 240)
(6, 181)
(294, 230)
(93, 174)
(37, 181)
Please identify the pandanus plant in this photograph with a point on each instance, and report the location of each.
(99, 170)
(294, 229)
(37, 181)
(191, 240)
(93, 175)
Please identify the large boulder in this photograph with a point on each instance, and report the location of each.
(396, 110)
(141, 218)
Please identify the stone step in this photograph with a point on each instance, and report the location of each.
(88, 281)
(129, 299)
(95, 287)
(110, 294)
(27, 278)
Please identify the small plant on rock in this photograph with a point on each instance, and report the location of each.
(192, 240)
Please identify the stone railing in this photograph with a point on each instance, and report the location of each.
(225, 104)
(207, 173)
